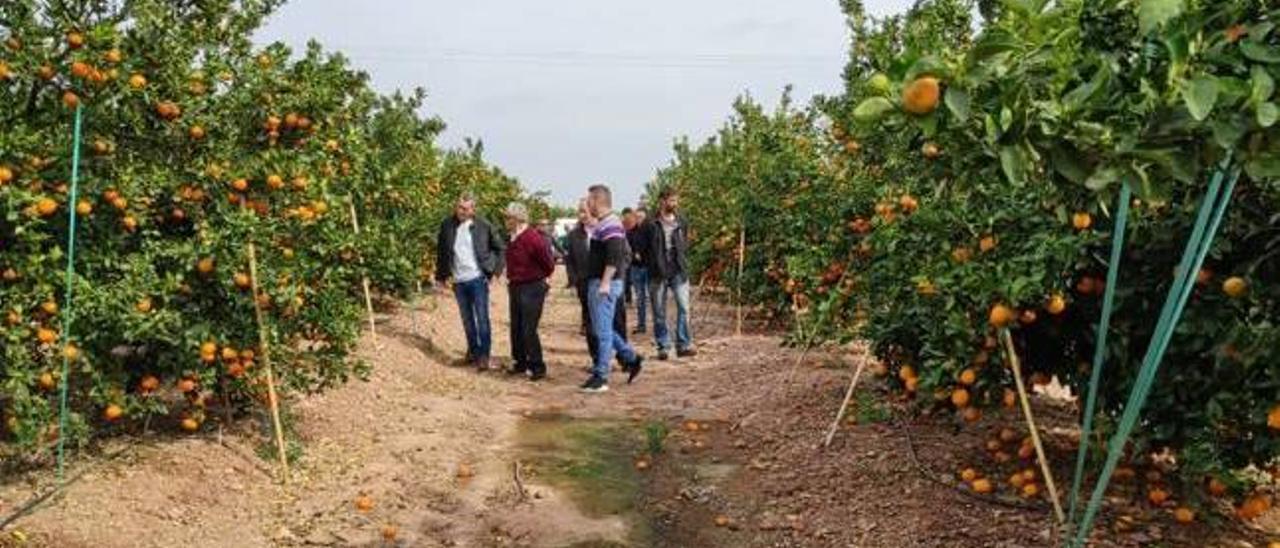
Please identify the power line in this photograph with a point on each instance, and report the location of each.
(595, 59)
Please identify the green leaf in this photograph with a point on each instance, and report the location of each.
(1229, 131)
(958, 101)
(1263, 167)
(1014, 162)
(1259, 52)
(872, 110)
(1200, 95)
(1154, 13)
(1103, 177)
(1067, 163)
(1263, 85)
(1268, 113)
(1077, 97)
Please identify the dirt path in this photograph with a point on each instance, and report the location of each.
(437, 447)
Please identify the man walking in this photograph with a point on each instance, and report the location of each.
(529, 264)
(638, 274)
(468, 250)
(665, 251)
(609, 257)
(577, 263)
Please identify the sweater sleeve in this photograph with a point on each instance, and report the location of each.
(546, 261)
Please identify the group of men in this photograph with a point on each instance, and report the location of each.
(610, 260)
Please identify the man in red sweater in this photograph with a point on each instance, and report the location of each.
(529, 264)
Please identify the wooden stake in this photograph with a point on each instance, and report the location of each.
(1015, 365)
(742, 259)
(848, 395)
(263, 340)
(364, 279)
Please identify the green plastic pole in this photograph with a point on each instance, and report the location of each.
(1207, 223)
(1100, 348)
(67, 308)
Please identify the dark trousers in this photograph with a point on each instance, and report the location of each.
(619, 319)
(526, 311)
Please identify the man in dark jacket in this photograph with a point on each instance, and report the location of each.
(576, 264)
(638, 274)
(665, 252)
(470, 252)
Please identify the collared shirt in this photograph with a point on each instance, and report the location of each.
(465, 267)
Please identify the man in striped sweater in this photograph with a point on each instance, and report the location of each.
(607, 267)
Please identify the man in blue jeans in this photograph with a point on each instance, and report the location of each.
(607, 264)
(638, 274)
(470, 252)
(665, 249)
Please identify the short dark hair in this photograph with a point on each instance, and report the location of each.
(627, 211)
(604, 191)
(667, 192)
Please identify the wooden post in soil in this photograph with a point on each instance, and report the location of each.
(848, 395)
(1016, 366)
(273, 401)
(742, 259)
(364, 278)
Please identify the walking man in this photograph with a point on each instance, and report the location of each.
(469, 252)
(576, 264)
(529, 264)
(609, 257)
(665, 251)
(638, 274)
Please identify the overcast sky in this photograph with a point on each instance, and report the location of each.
(565, 93)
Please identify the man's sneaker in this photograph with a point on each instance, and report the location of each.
(633, 370)
(686, 353)
(595, 385)
(662, 355)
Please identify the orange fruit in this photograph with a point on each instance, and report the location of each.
(389, 533)
(968, 376)
(113, 56)
(982, 486)
(205, 266)
(1216, 487)
(364, 503)
(187, 386)
(331, 145)
(907, 372)
(229, 354)
(1081, 221)
(137, 81)
(968, 475)
(148, 384)
(143, 306)
(921, 95)
(46, 335)
(912, 383)
(722, 521)
(129, 223)
(1028, 317)
(971, 414)
(242, 280)
(240, 185)
(1157, 496)
(1000, 316)
(112, 412)
(1030, 490)
(960, 398)
(275, 182)
(1273, 417)
(71, 352)
(6, 175)
(47, 382)
(46, 207)
(70, 99)
(1056, 305)
(190, 424)
(1017, 481)
(1234, 33)
(196, 132)
(208, 347)
(930, 150)
(84, 208)
(1184, 515)
(75, 40)
(642, 464)
(49, 307)
(80, 69)
(1253, 507)
(987, 243)
(1235, 287)
(1204, 276)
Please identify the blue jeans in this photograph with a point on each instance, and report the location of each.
(640, 283)
(473, 302)
(659, 289)
(602, 314)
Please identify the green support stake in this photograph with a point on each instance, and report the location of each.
(1208, 220)
(68, 309)
(1100, 348)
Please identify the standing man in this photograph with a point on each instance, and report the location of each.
(666, 256)
(609, 257)
(628, 224)
(638, 274)
(529, 264)
(468, 250)
(544, 226)
(577, 263)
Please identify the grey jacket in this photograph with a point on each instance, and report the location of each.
(490, 248)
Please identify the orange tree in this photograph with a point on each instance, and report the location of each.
(195, 146)
(969, 179)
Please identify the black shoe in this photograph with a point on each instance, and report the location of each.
(633, 370)
(686, 353)
(595, 385)
(518, 369)
(662, 355)
(538, 374)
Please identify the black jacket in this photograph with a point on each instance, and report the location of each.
(654, 250)
(577, 259)
(635, 239)
(489, 245)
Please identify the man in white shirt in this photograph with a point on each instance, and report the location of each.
(471, 253)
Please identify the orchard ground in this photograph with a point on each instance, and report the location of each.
(710, 451)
